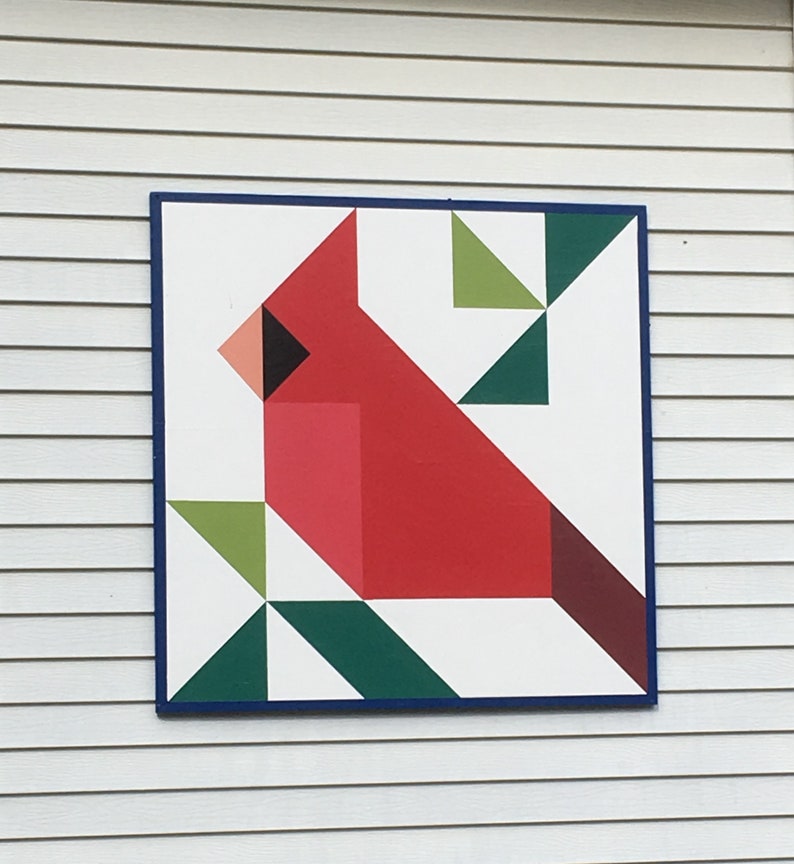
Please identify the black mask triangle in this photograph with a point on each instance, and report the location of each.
(282, 352)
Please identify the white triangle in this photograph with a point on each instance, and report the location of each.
(207, 601)
(296, 670)
(294, 570)
(506, 647)
(517, 239)
(405, 286)
(589, 436)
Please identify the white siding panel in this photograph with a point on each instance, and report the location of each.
(220, 157)
(69, 370)
(77, 326)
(78, 548)
(723, 418)
(69, 281)
(269, 28)
(728, 542)
(216, 69)
(134, 724)
(76, 591)
(684, 107)
(763, 13)
(60, 414)
(343, 764)
(392, 119)
(738, 293)
(522, 803)
(400, 762)
(722, 376)
(726, 460)
(723, 335)
(104, 239)
(75, 459)
(725, 585)
(768, 840)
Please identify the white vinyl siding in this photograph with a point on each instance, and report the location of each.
(686, 106)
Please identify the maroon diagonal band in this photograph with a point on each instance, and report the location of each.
(598, 598)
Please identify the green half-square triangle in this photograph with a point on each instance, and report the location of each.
(520, 376)
(364, 649)
(237, 671)
(574, 240)
(479, 279)
(235, 530)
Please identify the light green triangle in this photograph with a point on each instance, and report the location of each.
(235, 530)
(479, 279)
(573, 241)
(237, 671)
(520, 376)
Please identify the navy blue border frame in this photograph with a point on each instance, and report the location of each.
(163, 706)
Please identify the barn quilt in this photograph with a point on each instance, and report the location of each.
(401, 454)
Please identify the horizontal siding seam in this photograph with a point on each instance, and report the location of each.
(395, 55)
(374, 139)
(393, 11)
(331, 95)
(402, 827)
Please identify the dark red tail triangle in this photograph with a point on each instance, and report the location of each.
(598, 598)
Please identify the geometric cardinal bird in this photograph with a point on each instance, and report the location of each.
(390, 483)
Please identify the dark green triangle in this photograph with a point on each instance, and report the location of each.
(479, 279)
(574, 240)
(237, 671)
(235, 530)
(364, 649)
(520, 376)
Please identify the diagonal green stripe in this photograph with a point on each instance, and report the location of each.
(235, 530)
(479, 279)
(364, 649)
(237, 671)
(573, 241)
